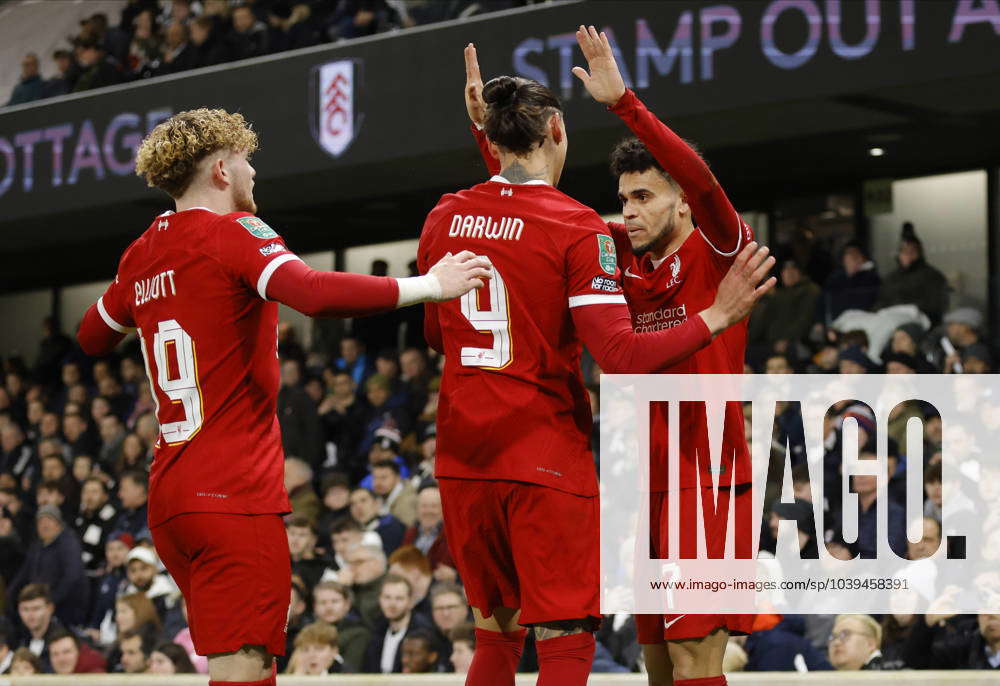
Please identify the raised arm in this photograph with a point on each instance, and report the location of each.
(476, 108)
(715, 214)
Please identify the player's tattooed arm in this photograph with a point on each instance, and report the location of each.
(516, 173)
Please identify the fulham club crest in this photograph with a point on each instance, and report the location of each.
(335, 117)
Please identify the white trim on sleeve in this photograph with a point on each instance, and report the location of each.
(739, 238)
(268, 271)
(580, 300)
(107, 318)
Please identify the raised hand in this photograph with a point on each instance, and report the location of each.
(459, 274)
(604, 82)
(738, 292)
(474, 102)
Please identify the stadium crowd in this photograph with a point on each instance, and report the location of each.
(374, 586)
(157, 37)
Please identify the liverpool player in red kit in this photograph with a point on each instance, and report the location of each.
(518, 485)
(201, 287)
(671, 268)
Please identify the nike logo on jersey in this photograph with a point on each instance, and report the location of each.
(667, 625)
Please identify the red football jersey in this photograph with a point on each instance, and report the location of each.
(665, 293)
(193, 285)
(513, 405)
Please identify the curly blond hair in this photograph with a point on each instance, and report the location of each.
(169, 156)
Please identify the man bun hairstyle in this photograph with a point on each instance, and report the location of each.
(517, 112)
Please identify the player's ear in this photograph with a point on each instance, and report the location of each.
(556, 128)
(219, 173)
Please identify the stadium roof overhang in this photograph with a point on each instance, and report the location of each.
(358, 140)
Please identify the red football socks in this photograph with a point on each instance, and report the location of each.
(706, 681)
(565, 661)
(495, 661)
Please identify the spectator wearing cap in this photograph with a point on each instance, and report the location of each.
(853, 286)
(107, 588)
(38, 620)
(55, 559)
(427, 534)
(365, 511)
(30, 87)
(142, 569)
(298, 482)
(133, 493)
(96, 68)
(853, 360)
(385, 447)
(787, 315)
(963, 327)
(914, 282)
(302, 550)
(69, 655)
(397, 497)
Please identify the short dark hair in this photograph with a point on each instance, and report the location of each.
(387, 464)
(423, 634)
(396, 579)
(345, 523)
(932, 475)
(138, 477)
(60, 634)
(632, 156)
(517, 112)
(145, 638)
(300, 522)
(35, 592)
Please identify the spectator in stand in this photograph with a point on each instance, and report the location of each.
(69, 655)
(200, 662)
(333, 604)
(449, 610)
(112, 432)
(342, 417)
(177, 53)
(134, 612)
(397, 497)
(787, 314)
(93, 524)
(336, 493)
(25, 663)
(463, 647)
(317, 652)
(344, 535)
(427, 534)
(962, 329)
(853, 360)
(977, 359)
(55, 345)
(6, 647)
(30, 87)
(302, 550)
(55, 559)
(385, 443)
(142, 569)
(365, 569)
(301, 431)
(355, 18)
(143, 54)
(17, 457)
(423, 474)
(80, 436)
(384, 655)
(248, 37)
(100, 624)
(134, 651)
(853, 286)
(210, 49)
(365, 511)
(39, 623)
(411, 564)
(291, 27)
(782, 647)
(298, 482)
(133, 492)
(855, 643)
(420, 653)
(170, 658)
(96, 68)
(914, 282)
(132, 455)
(354, 360)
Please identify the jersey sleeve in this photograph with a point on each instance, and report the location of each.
(251, 250)
(107, 321)
(592, 273)
(491, 162)
(716, 217)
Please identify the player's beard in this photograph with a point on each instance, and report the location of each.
(660, 238)
(243, 200)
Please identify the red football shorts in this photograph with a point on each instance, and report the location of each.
(235, 574)
(676, 627)
(520, 545)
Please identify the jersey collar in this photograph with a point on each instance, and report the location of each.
(532, 182)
